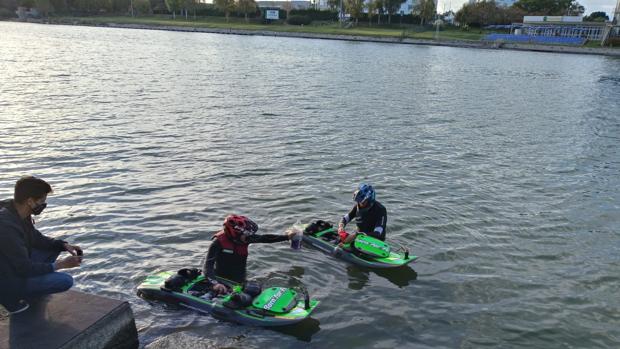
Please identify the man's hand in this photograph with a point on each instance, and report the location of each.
(340, 228)
(220, 288)
(68, 262)
(350, 238)
(290, 234)
(74, 250)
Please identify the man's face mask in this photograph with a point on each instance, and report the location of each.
(39, 208)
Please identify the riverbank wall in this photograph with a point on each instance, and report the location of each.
(360, 38)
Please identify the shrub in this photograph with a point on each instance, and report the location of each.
(316, 15)
(6, 13)
(142, 7)
(299, 20)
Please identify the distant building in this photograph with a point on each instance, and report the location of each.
(295, 5)
(406, 8)
(449, 17)
(505, 3)
(563, 26)
(27, 12)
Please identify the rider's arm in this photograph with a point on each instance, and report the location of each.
(380, 225)
(266, 238)
(209, 265)
(347, 218)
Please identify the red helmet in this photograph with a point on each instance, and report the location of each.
(235, 226)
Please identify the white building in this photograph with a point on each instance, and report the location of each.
(405, 9)
(505, 3)
(294, 5)
(563, 26)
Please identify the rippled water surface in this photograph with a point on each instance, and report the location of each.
(499, 168)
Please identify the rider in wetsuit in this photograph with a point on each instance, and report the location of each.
(369, 215)
(228, 254)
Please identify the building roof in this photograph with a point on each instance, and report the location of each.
(296, 4)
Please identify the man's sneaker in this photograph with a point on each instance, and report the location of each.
(17, 307)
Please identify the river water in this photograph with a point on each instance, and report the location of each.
(500, 169)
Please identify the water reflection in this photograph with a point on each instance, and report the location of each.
(303, 330)
(359, 276)
(485, 158)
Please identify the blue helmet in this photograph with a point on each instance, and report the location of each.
(364, 192)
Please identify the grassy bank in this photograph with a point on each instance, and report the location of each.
(396, 33)
(362, 29)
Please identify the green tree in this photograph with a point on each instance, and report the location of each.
(121, 6)
(333, 4)
(10, 5)
(158, 5)
(426, 9)
(91, 6)
(43, 6)
(544, 7)
(371, 7)
(59, 6)
(226, 6)
(480, 13)
(598, 16)
(509, 15)
(379, 6)
(142, 7)
(173, 6)
(247, 6)
(189, 6)
(287, 6)
(355, 8)
(575, 9)
(392, 7)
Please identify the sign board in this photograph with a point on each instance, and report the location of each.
(272, 14)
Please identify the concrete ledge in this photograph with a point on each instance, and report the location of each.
(71, 320)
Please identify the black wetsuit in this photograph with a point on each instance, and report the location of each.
(372, 221)
(228, 260)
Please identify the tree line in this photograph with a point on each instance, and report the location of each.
(382, 11)
(488, 12)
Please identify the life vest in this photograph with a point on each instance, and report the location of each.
(229, 246)
(232, 260)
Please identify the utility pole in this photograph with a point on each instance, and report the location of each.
(612, 26)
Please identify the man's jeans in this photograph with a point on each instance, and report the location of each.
(54, 282)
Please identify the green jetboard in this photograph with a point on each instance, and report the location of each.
(366, 250)
(274, 306)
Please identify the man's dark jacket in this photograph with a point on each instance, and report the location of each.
(17, 239)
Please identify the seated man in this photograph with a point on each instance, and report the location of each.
(228, 254)
(28, 265)
(370, 216)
